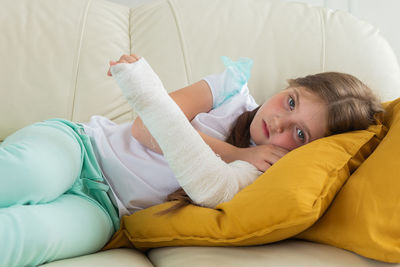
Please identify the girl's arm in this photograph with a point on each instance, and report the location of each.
(206, 178)
(192, 100)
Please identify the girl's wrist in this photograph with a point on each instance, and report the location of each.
(235, 153)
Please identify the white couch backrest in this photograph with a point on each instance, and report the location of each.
(55, 53)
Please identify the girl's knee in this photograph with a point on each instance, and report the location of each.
(37, 165)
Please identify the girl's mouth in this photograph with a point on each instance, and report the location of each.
(265, 128)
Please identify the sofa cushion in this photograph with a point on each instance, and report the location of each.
(175, 37)
(57, 55)
(114, 257)
(280, 254)
(365, 216)
(284, 201)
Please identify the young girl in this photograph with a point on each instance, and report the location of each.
(311, 108)
(64, 185)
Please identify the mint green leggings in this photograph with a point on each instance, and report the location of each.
(53, 202)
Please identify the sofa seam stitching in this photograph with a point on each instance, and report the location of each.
(78, 56)
(182, 41)
(129, 31)
(323, 40)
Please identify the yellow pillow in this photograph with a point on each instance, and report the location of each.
(284, 201)
(365, 216)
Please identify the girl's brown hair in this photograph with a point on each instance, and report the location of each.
(351, 106)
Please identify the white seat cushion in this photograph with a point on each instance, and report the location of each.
(285, 253)
(115, 257)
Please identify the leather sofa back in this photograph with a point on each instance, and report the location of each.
(55, 53)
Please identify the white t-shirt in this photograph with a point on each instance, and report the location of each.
(140, 178)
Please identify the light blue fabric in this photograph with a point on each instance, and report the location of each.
(53, 202)
(236, 75)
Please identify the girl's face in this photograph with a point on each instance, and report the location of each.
(290, 119)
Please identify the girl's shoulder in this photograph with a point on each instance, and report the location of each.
(232, 81)
(241, 102)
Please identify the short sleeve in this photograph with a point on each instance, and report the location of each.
(216, 82)
(231, 81)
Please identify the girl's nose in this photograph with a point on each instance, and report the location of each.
(280, 123)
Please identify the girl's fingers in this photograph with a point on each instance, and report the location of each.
(279, 151)
(128, 58)
(112, 63)
(123, 59)
(136, 57)
(263, 167)
(271, 159)
(280, 154)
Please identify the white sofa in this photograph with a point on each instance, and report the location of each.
(55, 56)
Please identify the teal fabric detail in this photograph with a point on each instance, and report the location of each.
(90, 185)
(53, 199)
(237, 74)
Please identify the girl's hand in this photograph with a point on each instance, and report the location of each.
(262, 156)
(123, 59)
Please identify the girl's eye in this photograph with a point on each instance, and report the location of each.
(301, 135)
(291, 103)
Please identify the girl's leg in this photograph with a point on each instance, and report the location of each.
(38, 163)
(67, 227)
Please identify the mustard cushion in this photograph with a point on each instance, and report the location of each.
(365, 216)
(284, 201)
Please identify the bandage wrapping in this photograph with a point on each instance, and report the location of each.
(205, 177)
